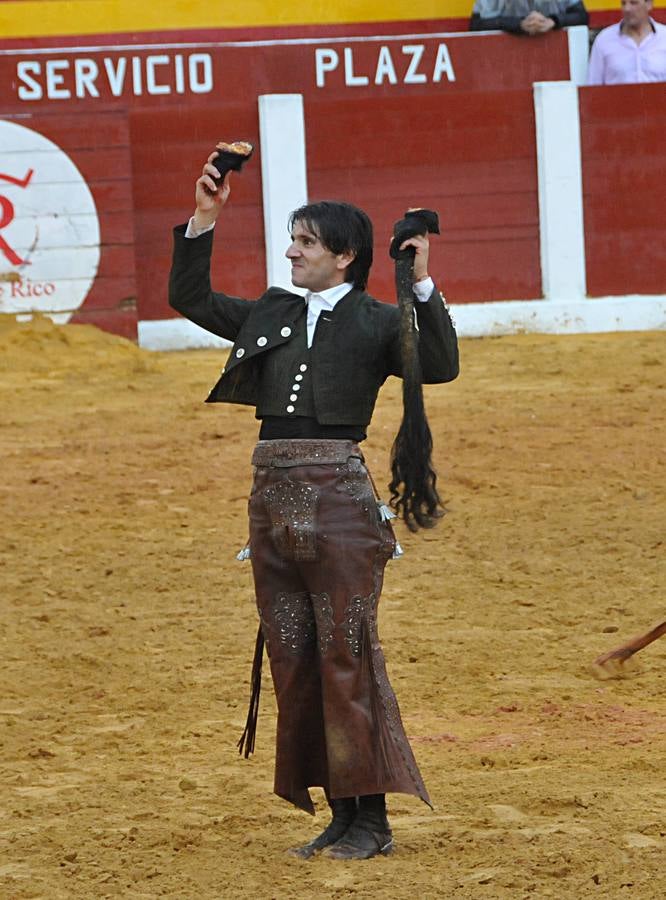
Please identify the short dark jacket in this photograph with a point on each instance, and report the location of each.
(353, 353)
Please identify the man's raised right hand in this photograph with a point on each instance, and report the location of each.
(209, 197)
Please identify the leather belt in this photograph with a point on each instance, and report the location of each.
(304, 452)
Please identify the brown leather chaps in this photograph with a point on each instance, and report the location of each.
(318, 549)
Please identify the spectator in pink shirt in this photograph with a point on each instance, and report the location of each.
(633, 51)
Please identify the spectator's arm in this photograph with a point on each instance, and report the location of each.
(576, 14)
(498, 23)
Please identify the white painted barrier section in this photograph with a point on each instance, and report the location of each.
(636, 313)
(283, 176)
(560, 190)
(176, 334)
(579, 51)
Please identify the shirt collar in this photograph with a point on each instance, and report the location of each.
(332, 295)
(652, 26)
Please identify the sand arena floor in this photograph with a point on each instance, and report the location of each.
(127, 631)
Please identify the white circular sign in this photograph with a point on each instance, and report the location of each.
(49, 230)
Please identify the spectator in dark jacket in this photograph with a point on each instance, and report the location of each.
(531, 17)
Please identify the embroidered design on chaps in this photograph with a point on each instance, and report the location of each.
(323, 610)
(294, 622)
(356, 482)
(291, 507)
(359, 610)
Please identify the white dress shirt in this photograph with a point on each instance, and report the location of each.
(324, 301)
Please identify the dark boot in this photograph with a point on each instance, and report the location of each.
(344, 812)
(368, 835)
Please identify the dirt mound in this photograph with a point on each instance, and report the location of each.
(39, 345)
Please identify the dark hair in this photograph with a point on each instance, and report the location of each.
(342, 228)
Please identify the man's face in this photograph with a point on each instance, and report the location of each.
(636, 12)
(314, 266)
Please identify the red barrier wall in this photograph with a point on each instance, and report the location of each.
(168, 151)
(469, 156)
(449, 124)
(624, 173)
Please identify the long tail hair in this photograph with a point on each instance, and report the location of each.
(413, 484)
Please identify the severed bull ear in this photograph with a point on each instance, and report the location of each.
(231, 157)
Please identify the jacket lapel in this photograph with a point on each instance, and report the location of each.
(272, 323)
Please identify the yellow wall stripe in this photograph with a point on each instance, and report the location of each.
(36, 18)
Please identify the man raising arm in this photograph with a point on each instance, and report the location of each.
(319, 540)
